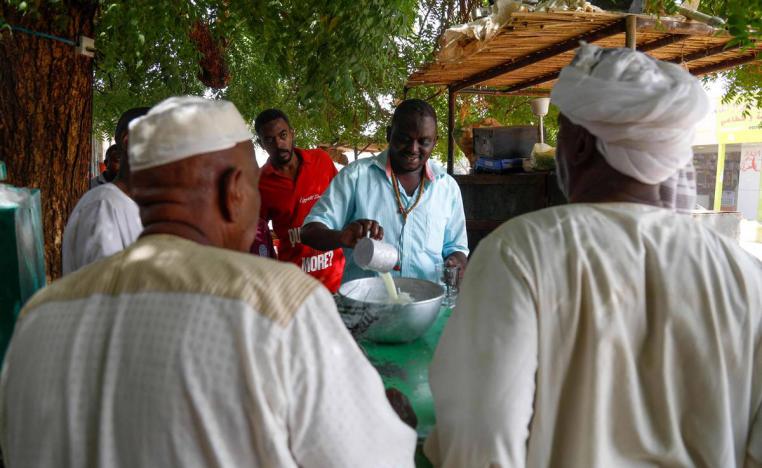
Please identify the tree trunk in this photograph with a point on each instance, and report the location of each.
(46, 94)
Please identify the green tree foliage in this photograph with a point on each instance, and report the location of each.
(744, 17)
(325, 63)
(334, 66)
(745, 85)
(744, 23)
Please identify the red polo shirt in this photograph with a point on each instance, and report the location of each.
(287, 202)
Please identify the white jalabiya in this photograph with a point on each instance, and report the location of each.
(602, 335)
(104, 221)
(175, 354)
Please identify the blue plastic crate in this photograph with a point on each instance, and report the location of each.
(498, 165)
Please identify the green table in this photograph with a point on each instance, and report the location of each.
(406, 368)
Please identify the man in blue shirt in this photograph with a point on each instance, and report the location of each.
(399, 196)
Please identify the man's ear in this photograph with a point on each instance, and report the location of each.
(586, 150)
(231, 194)
(581, 142)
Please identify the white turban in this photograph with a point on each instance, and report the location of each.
(181, 127)
(642, 111)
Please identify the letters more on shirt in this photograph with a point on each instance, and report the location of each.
(318, 262)
(287, 202)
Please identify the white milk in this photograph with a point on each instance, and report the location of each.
(391, 290)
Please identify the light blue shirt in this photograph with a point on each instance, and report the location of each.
(435, 228)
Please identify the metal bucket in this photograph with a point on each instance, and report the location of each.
(365, 309)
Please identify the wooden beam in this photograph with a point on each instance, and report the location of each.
(533, 82)
(518, 87)
(501, 92)
(702, 53)
(715, 67)
(617, 27)
(515, 88)
(450, 130)
(663, 42)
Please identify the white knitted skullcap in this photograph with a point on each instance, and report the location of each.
(180, 127)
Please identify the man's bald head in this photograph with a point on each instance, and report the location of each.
(194, 173)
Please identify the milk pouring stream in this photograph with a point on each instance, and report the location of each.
(378, 256)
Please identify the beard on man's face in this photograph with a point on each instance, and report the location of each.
(283, 156)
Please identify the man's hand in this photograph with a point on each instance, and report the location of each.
(358, 229)
(458, 259)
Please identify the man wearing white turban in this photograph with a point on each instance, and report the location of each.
(642, 113)
(180, 351)
(619, 333)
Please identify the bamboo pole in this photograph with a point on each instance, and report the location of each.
(631, 32)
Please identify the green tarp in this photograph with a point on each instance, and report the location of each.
(22, 257)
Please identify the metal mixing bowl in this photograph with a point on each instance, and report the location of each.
(364, 306)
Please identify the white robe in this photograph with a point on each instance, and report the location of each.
(606, 335)
(104, 221)
(173, 354)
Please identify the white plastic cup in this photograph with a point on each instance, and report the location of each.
(371, 254)
(540, 106)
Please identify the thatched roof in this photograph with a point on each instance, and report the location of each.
(528, 52)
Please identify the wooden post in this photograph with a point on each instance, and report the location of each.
(630, 33)
(450, 130)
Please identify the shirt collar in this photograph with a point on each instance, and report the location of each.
(432, 170)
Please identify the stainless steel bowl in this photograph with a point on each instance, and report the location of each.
(364, 306)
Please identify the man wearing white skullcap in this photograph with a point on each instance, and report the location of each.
(613, 331)
(182, 351)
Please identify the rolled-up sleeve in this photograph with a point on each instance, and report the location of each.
(455, 237)
(337, 204)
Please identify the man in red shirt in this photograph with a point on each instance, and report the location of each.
(291, 181)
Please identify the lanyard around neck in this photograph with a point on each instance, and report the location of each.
(403, 211)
